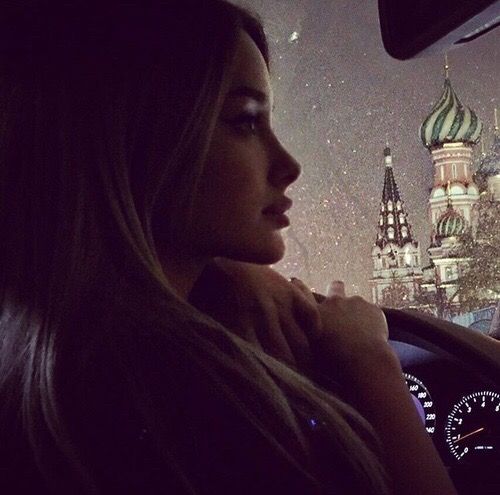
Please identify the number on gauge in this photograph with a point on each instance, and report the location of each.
(473, 427)
(423, 402)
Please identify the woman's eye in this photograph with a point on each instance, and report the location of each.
(246, 123)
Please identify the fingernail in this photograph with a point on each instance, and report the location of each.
(335, 287)
(338, 283)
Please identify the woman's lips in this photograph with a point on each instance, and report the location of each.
(279, 219)
(280, 206)
(276, 212)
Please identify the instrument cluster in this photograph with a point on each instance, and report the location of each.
(471, 430)
(460, 409)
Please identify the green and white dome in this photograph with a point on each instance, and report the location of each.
(451, 224)
(450, 121)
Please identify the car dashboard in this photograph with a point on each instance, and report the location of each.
(458, 399)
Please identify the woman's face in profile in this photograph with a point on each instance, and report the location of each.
(247, 170)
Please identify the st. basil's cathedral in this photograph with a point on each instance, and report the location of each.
(449, 133)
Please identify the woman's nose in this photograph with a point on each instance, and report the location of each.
(285, 168)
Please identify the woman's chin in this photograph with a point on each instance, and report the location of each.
(267, 252)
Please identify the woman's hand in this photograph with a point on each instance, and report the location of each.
(353, 346)
(262, 307)
(354, 333)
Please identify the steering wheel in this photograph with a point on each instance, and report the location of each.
(472, 348)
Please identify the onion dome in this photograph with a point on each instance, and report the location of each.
(450, 121)
(451, 224)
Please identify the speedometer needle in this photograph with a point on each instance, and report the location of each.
(468, 435)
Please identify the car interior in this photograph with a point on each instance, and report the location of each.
(453, 372)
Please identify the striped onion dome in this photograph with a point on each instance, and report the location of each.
(451, 224)
(450, 121)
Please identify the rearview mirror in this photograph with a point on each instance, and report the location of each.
(413, 28)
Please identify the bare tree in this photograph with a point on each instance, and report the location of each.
(478, 285)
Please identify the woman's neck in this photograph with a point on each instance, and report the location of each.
(182, 272)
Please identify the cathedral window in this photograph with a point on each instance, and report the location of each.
(404, 232)
(408, 258)
(454, 170)
(390, 219)
(389, 205)
(398, 205)
(381, 220)
(390, 233)
(401, 218)
(448, 273)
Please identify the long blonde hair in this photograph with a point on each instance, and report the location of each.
(106, 113)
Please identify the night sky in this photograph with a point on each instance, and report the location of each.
(339, 98)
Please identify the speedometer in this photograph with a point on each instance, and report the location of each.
(473, 427)
(423, 402)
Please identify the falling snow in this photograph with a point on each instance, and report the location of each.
(339, 98)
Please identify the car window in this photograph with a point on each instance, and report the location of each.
(400, 190)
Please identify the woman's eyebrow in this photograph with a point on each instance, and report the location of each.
(253, 93)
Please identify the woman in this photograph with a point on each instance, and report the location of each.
(136, 152)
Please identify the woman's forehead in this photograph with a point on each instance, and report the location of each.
(249, 75)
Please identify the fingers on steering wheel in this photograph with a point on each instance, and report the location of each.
(303, 289)
(306, 313)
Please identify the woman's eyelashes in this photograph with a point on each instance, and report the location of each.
(248, 123)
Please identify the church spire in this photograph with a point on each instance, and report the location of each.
(446, 67)
(387, 156)
(487, 176)
(395, 253)
(393, 223)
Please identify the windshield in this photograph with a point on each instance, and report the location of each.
(390, 198)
